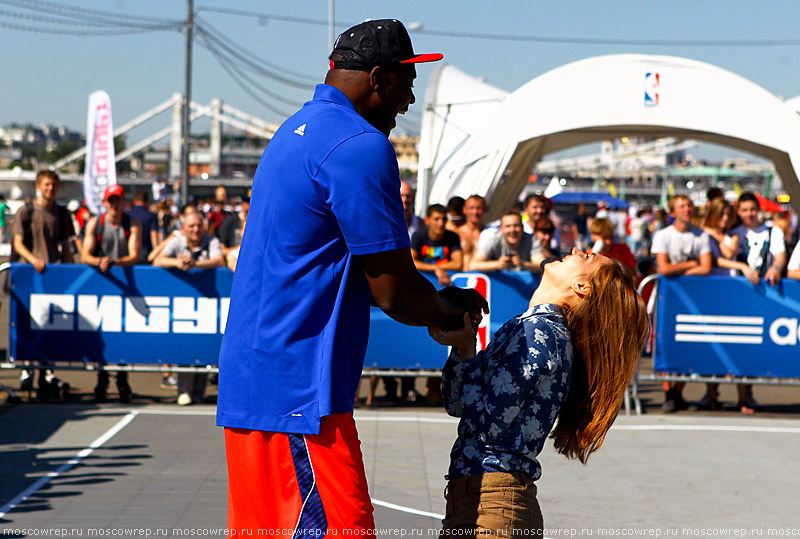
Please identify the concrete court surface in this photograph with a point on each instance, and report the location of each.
(161, 468)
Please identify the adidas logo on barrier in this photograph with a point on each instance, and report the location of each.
(735, 329)
(300, 130)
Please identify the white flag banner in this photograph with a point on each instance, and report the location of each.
(100, 170)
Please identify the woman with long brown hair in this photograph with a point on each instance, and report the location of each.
(569, 356)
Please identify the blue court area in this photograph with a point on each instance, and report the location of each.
(130, 471)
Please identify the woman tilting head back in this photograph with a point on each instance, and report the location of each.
(608, 328)
(569, 358)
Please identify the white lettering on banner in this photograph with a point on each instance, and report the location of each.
(735, 329)
(148, 314)
(52, 312)
(106, 313)
(791, 331)
(188, 319)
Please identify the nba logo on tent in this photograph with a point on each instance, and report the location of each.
(480, 283)
(652, 87)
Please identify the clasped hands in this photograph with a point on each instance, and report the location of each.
(461, 336)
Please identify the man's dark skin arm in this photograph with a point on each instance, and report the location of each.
(408, 297)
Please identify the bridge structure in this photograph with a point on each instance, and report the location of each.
(220, 114)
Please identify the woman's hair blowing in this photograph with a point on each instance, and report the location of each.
(608, 328)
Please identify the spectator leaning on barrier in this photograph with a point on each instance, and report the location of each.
(435, 249)
(763, 248)
(112, 238)
(510, 249)
(41, 235)
(717, 223)
(470, 232)
(680, 249)
(192, 249)
(42, 229)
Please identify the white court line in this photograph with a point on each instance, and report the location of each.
(406, 509)
(82, 454)
(171, 411)
(406, 419)
(719, 428)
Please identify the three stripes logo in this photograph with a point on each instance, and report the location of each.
(719, 329)
(735, 329)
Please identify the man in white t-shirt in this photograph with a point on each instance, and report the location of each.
(680, 249)
(763, 248)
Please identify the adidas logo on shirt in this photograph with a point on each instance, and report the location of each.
(300, 130)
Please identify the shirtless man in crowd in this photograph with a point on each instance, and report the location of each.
(470, 233)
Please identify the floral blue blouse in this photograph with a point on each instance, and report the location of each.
(509, 395)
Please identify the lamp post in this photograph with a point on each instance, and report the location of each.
(187, 97)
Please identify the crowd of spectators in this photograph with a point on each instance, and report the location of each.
(131, 230)
(720, 238)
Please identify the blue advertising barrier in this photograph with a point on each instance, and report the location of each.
(133, 315)
(142, 315)
(726, 326)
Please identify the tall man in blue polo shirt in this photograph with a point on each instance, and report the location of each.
(325, 235)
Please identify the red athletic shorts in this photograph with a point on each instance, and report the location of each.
(295, 485)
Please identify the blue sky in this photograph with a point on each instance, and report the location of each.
(47, 77)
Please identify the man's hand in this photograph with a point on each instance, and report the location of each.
(464, 338)
(773, 276)
(751, 274)
(469, 300)
(444, 278)
(506, 262)
(186, 262)
(104, 264)
(38, 265)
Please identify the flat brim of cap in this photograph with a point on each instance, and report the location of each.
(421, 58)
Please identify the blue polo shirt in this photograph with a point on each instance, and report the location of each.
(327, 188)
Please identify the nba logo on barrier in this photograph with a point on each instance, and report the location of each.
(652, 87)
(480, 283)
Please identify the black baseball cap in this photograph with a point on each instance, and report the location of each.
(376, 43)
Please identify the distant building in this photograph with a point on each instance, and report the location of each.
(44, 136)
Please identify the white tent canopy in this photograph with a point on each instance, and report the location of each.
(600, 99)
(456, 105)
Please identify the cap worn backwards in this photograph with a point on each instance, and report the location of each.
(376, 43)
